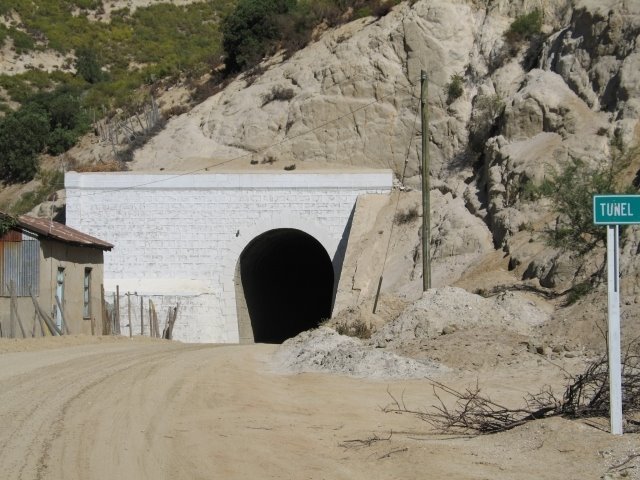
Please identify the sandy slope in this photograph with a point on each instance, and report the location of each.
(144, 409)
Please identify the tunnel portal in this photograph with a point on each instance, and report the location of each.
(286, 278)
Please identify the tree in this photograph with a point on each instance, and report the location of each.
(67, 120)
(23, 135)
(571, 190)
(251, 30)
(88, 66)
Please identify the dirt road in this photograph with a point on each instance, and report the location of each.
(158, 410)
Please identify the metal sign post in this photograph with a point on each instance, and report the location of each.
(613, 335)
(613, 211)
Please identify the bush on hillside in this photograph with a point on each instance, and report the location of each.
(571, 190)
(455, 88)
(525, 27)
(486, 111)
(87, 65)
(67, 118)
(23, 136)
(250, 31)
(22, 42)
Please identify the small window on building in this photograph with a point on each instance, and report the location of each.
(19, 264)
(86, 298)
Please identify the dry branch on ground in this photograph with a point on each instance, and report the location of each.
(586, 395)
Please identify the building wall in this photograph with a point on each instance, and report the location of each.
(178, 238)
(74, 259)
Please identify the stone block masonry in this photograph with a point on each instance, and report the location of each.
(178, 238)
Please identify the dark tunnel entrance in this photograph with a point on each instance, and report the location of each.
(286, 279)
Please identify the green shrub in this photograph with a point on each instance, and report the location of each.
(22, 42)
(455, 88)
(578, 291)
(486, 110)
(87, 4)
(7, 222)
(571, 190)
(251, 30)
(88, 66)
(23, 135)
(363, 12)
(525, 27)
(60, 140)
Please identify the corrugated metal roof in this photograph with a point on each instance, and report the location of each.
(48, 228)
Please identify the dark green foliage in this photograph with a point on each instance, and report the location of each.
(256, 28)
(362, 12)
(67, 117)
(60, 140)
(525, 27)
(578, 291)
(455, 88)
(251, 31)
(22, 42)
(7, 222)
(87, 4)
(571, 191)
(48, 120)
(23, 135)
(88, 66)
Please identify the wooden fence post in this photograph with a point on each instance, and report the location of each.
(141, 315)
(65, 326)
(116, 329)
(104, 309)
(129, 313)
(53, 328)
(14, 311)
(152, 332)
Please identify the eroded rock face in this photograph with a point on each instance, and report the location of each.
(353, 96)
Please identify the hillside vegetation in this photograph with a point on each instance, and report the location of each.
(116, 64)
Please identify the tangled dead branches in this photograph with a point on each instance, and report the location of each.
(587, 395)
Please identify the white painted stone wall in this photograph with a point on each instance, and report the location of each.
(178, 237)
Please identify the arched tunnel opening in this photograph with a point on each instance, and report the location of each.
(286, 278)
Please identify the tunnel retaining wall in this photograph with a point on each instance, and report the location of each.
(178, 237)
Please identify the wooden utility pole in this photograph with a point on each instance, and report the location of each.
(426, 184)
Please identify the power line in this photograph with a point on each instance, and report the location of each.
(260, 151)
(395, 212)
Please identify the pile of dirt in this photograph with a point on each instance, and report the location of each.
(324, 350)
(449, 309)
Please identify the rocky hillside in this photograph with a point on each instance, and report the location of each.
(509, 110)
(519, 92)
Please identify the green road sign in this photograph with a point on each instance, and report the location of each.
(616, 209)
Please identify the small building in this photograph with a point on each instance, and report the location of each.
(48, 259)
